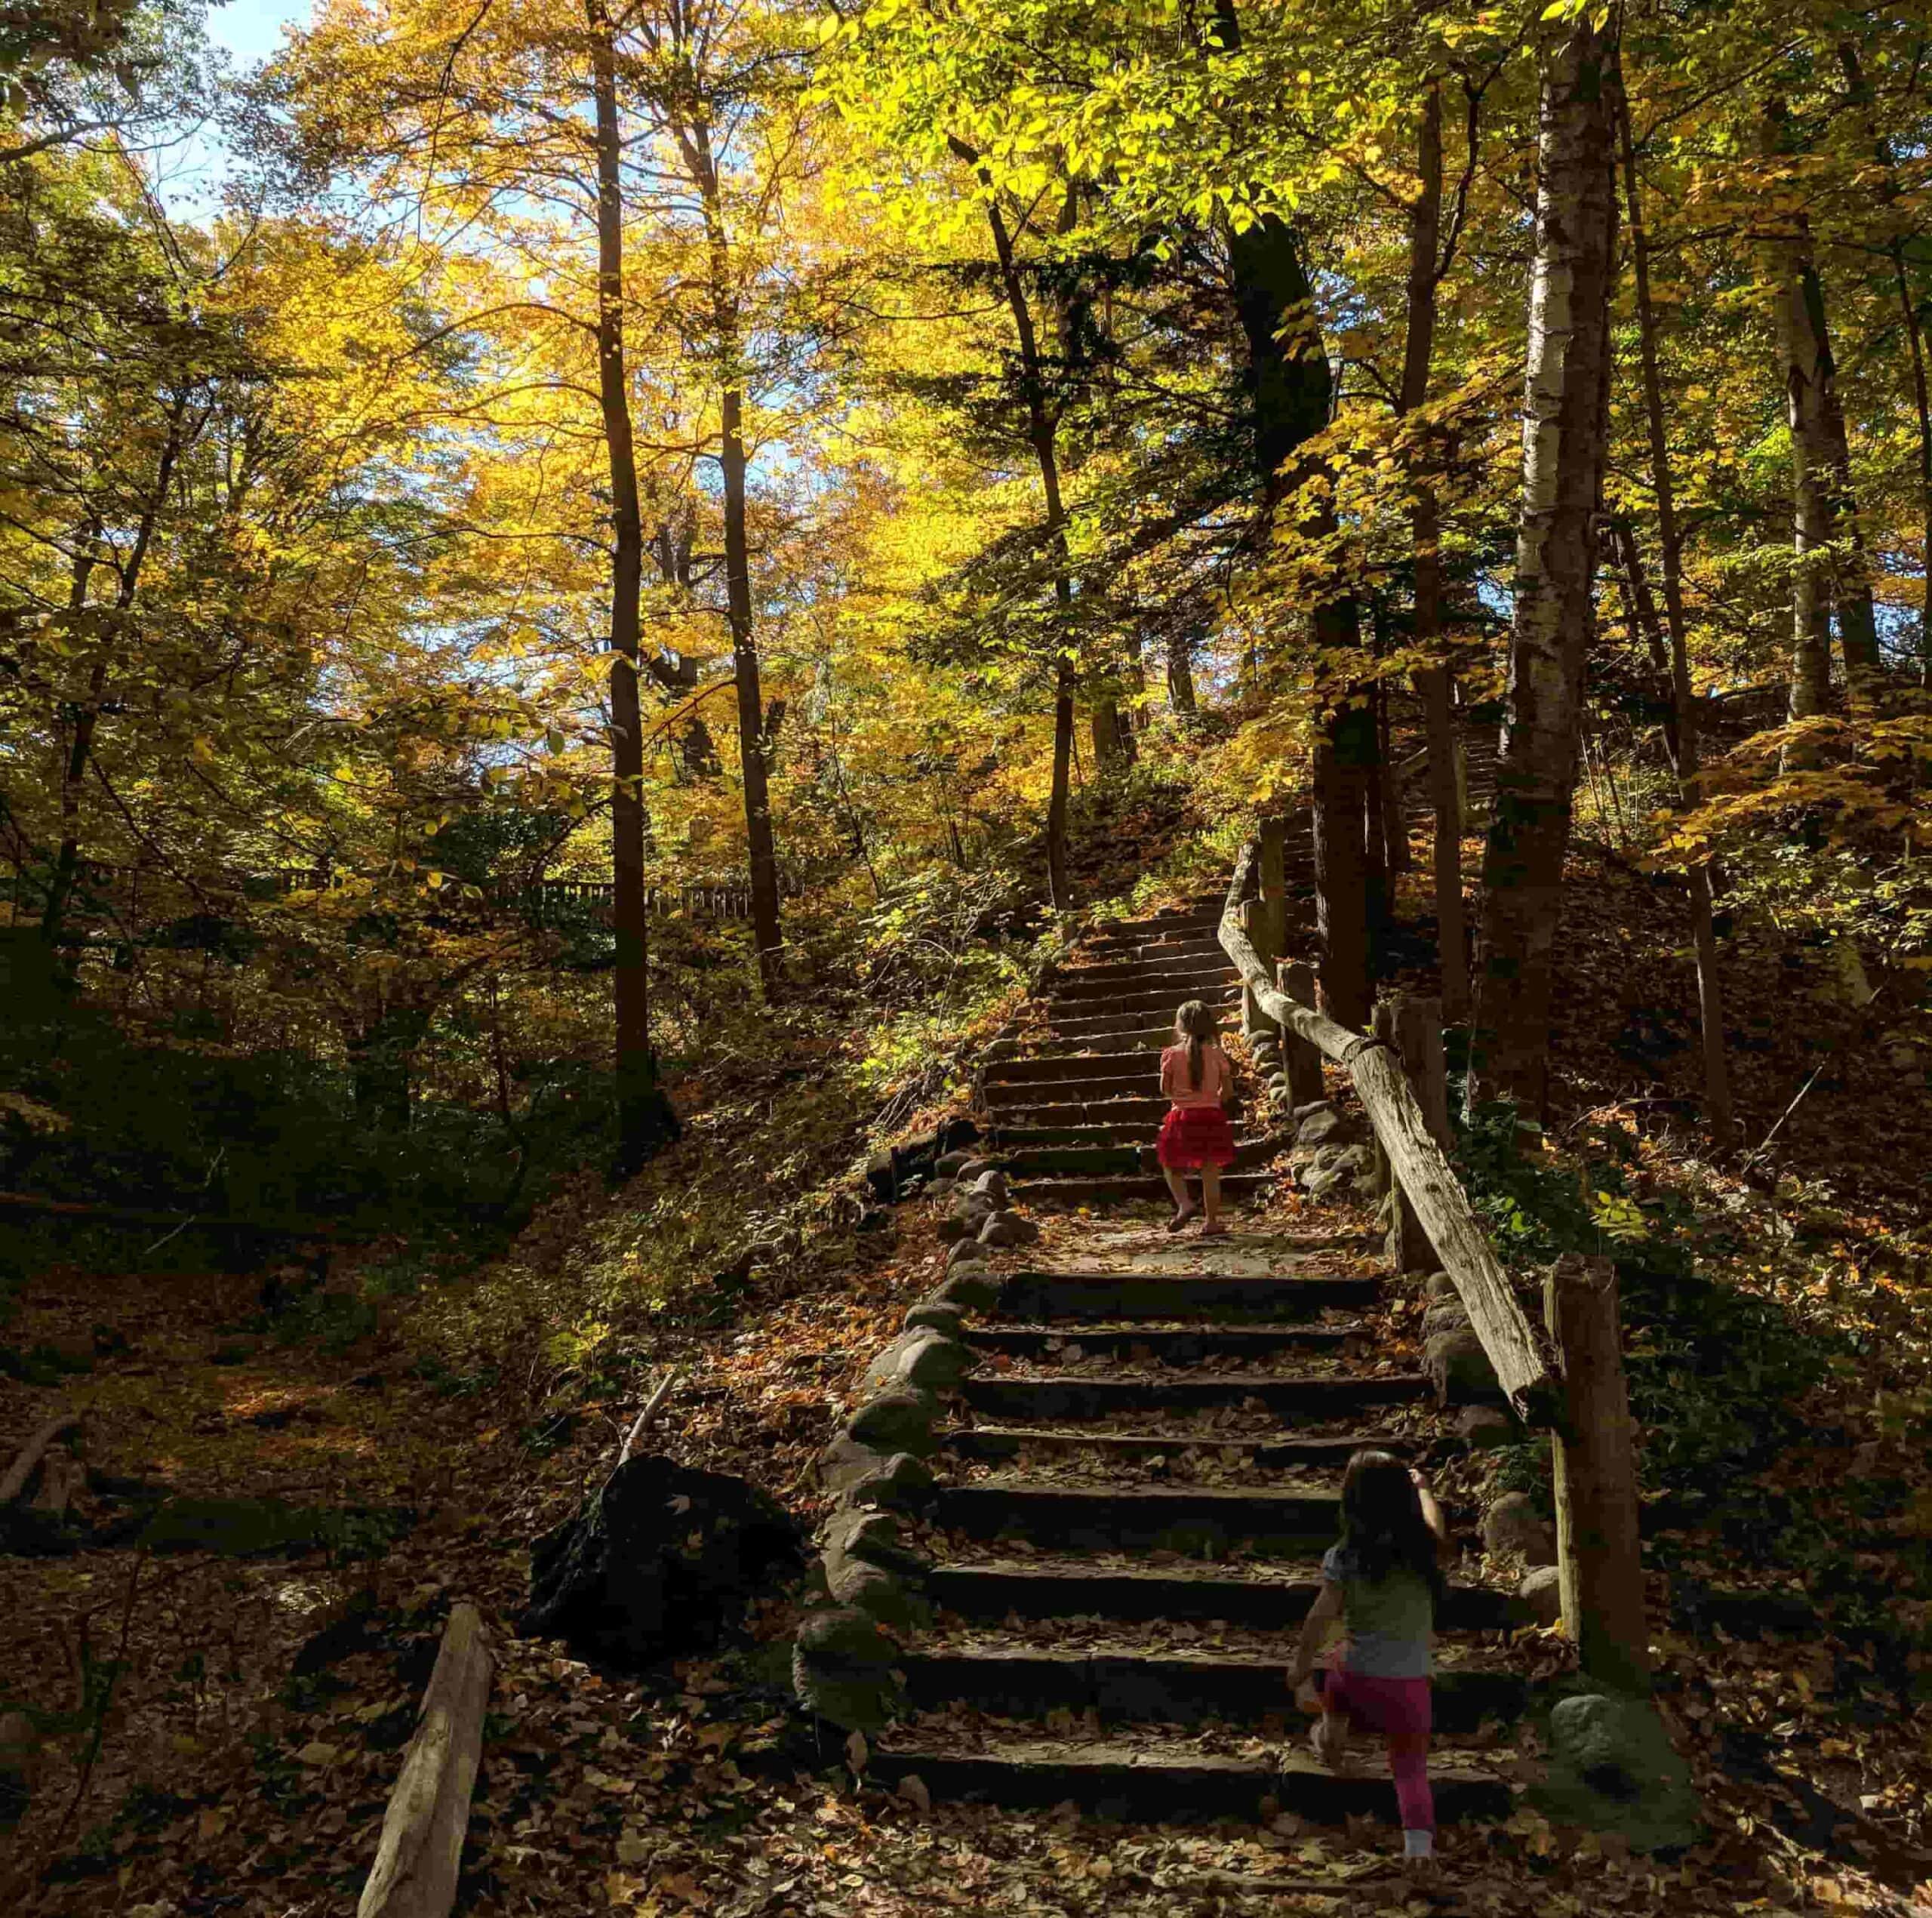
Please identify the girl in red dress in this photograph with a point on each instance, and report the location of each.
(1195, 1074)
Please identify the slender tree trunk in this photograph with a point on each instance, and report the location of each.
(1042, 435)
(1682, 736)
(755, 728)
(1828, 556)
(645, 1119)
(1564, 435)
(1914, 335)
(1435, 684)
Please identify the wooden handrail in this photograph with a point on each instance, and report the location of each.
(1419, 1163)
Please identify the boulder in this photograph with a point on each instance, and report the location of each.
(1447, 1315)
(861, 1533)
(872, 1589)
(900, 1419)
(841, 1669)
(992, 1185)
(948, 1164)
(973, 1168)
(854, 1474)
(1481, 1427)
(934, 1317)
(657, 1562)
(924, 1359)
(1329, 1167)
(1438, 1287)
(1314, 1106)
(964, 1251)
(1613, 1768)
(1460, 1370)
(951, 1230)
(940, 1189)
(1008, 1229)
(1514, 1525)
(970, 1287)
(1327, 1125)
(1540, 1595)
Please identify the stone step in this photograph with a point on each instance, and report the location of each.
(1129, 1075)
(1049, 1399)
(1202, 943)
(1126, 1158)
(1205, 956)
(1150, 1026)
(1038, 1296)
(1144, 1042)
(1193, 1519)
(1024, 1138)
(1272, 1599)
(1128, 1110)
(1177, 982)
(1016, 1680)
(1009, 1441)
(1127, 1780)
(1224, 998)
(1164, 1345)
(1108, 1190)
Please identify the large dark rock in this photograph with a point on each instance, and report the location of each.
(659, 1562)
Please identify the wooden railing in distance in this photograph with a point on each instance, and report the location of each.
(1419, 1163)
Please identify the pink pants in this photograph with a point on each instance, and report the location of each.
(1399, 1709)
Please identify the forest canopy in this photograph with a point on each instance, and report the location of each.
(618, 520)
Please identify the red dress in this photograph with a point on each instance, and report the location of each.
(1195, 1133)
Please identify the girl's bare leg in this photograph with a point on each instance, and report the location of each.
(1177, 1185)
(1210, 1197)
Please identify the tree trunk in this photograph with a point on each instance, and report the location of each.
(754, 729)
(1042, 434)
(1181, 677)
(1914, 335)
(1824, 509)
(1682, 736)
(1288, 382)
(1564, 432)
(645, 1120)
(1435, 684)
(754, 742)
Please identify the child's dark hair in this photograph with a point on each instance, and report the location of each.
(1382, 1521)
(1195, 1022)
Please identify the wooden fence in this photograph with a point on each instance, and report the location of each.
(1579, 1394)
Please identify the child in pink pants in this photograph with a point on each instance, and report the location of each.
(1382, 1579)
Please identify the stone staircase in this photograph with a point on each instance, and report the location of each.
(1139, 1476)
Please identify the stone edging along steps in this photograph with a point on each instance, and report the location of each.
(1077, 1511)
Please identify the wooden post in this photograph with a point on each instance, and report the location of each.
(1599, 1561)
(1413, 1026)
(1382, 1182)
(417, 1860)
(1252, 1019)
(1271, 928)
(1302, 1057)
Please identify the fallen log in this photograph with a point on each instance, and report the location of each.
(30, 1453)
(421, 1850)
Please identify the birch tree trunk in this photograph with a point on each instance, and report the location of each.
(1434, 684)
(645, 1120)
(1564, 429)
(1682, 736)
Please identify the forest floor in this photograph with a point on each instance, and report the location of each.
(225, 1728)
